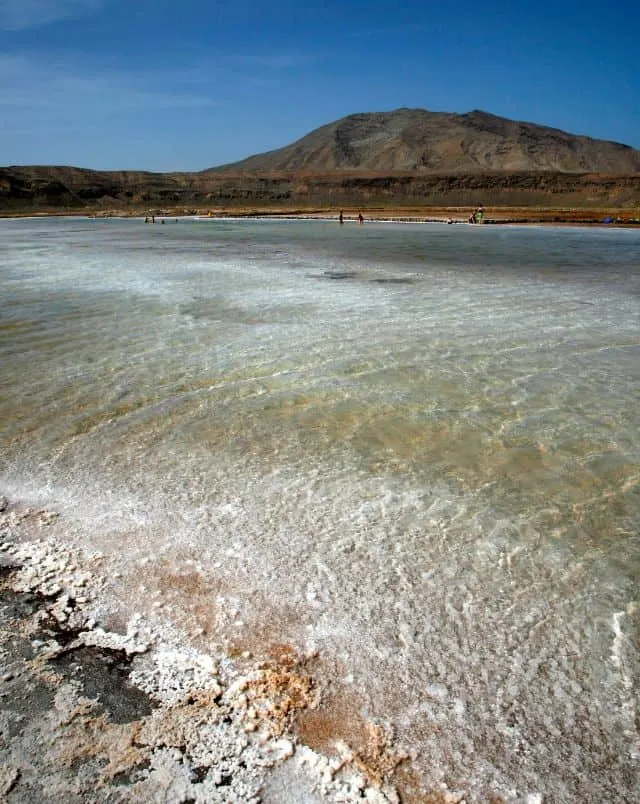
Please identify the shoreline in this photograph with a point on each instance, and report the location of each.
(499, 216)
(138, 710)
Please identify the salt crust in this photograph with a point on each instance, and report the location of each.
(214, 735)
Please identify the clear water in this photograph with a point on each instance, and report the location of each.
(413, 448)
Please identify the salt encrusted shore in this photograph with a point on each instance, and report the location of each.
(604, 217)
(88, 714)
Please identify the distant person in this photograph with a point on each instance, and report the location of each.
(341, 217)
(360, 218)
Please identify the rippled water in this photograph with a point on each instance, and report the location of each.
(414, 448)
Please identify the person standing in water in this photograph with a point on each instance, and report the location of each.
(360, 218)
(341, 217)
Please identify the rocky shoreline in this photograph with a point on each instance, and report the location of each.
(93, 714)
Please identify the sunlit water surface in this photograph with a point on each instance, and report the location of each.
(412, 448)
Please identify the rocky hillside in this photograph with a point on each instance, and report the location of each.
(404, 158)
(44, 186)
(31, 189)
(440, 142)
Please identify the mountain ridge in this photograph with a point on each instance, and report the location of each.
(404, 158)
(422, 141)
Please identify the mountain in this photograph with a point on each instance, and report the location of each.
(416, 140)
(407, 158)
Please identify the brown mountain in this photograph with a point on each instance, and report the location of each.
(403, 159)
(416, 140)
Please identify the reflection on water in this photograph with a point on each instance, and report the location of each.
(426, 466)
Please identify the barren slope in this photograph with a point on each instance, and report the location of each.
(418, 140)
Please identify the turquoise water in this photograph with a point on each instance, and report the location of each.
(413, 448)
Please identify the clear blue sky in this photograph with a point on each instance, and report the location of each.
(188, 84)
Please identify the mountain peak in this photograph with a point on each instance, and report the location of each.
(417, 140)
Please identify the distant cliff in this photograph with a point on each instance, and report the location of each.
(25, 189)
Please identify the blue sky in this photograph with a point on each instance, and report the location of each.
(188, 84)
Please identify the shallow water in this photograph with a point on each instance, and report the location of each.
(413, 448)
